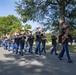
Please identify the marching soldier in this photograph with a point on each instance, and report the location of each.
(38, 41)
(15, 42)
(26, 42)
(22, 41)
(8, 42)
(54, 43)
(43, 40)
(5, 42)
(64, 40)
(30, 40)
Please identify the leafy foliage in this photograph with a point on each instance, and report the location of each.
(9, 23)
(27, 27)
(48, 12)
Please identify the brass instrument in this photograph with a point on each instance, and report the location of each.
(65, 36)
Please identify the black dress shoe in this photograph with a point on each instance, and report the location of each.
(31, 52)
(60, 58)
(51, 53)
(16, 52)
(39, 53)
(70, 61)
(56, 54)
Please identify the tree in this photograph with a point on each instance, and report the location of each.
(15, 27)
(47, 12)
(27, 27)
(8, 23)
(48, 37)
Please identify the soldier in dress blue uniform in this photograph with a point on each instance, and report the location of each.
(8, 42)
(43, 41)
(15, 42)
(38, 41)
(22, 41)
(5, 42)
(65, 36)
(30, 40)
(26, 42)
(54, 43)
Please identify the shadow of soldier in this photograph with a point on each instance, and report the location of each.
(32, 64)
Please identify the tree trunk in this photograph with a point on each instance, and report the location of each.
(62, 12)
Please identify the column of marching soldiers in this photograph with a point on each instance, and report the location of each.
(19, 41)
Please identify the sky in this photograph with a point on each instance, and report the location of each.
(7, 7)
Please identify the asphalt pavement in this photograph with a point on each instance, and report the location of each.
(33, 64)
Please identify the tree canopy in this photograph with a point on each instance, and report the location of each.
(48, 12)
(11, 23)
(8, 23)
(27, 27)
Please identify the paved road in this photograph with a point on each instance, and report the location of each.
(32, 64)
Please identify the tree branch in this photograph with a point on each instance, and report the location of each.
(67, 2)
(58, 1)
(50, 2)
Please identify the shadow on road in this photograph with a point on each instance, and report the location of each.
(32, 64)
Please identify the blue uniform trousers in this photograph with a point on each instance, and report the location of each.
(5, 45)
(21, 48)
(65, 49)
(8, 46)
(15, 47)
(25, 46)
(30, 47)
(43, 47)
(38, 47)
(54, 49)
